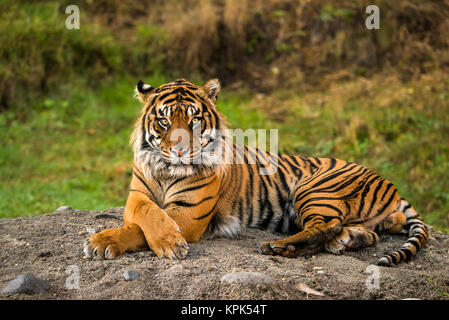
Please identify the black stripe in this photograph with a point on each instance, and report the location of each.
(194, 188)
(250, 196)
(343, 183)
(135, 190)
(376, 191)
(207, 214)
(325, 205)
(408, 206)
(239, 209)
(333, 175)
(414, 242)
(175, 182)
(326, 219)
(268, 205)
(366, 189)
(146, 186)
(165, 95)
(386, 191)
(387, 204)
(187, 204)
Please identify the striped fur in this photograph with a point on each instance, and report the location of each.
(322, 203)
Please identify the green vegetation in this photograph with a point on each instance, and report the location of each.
(379, 98)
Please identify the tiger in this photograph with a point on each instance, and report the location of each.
(179, 194)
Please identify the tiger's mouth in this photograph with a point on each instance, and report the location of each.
(194, 159)
(184, 166)
(180, 160)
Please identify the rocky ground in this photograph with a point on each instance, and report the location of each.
(50, 247)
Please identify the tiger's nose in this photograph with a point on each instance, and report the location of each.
(179, 151)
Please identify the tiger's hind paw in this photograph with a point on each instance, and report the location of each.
(287, 250)
(336, 246)
(270, 248)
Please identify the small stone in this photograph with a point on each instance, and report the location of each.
(175, 268)
(317, 268)
(26, 283)
(320, 272)
(309, 290)
(63, 208)
(131, 275)
(419, 267)
(247, 277)
(44, 254)
(90, 230)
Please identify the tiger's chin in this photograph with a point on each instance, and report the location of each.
(181, 169)
(185, 170)
(160, 168)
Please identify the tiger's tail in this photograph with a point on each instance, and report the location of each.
(417, 233)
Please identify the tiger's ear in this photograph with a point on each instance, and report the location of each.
(211, 88)
(143, 91)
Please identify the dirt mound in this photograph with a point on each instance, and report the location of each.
(50, 247)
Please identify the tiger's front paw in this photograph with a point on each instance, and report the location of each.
(171, 245)
(102, 245)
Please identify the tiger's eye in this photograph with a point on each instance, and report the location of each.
(195, 120)
(164, 122)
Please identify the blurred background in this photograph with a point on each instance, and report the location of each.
(308, 68)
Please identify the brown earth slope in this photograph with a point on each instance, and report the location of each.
(48, 245)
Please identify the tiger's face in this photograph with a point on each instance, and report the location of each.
(180, 128)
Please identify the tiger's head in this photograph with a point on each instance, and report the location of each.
(180, 129)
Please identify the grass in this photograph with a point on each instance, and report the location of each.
(72, 147)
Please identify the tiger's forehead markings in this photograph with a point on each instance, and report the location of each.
(164, 111)
(173, 95)
(191, 110)
(177, 96)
